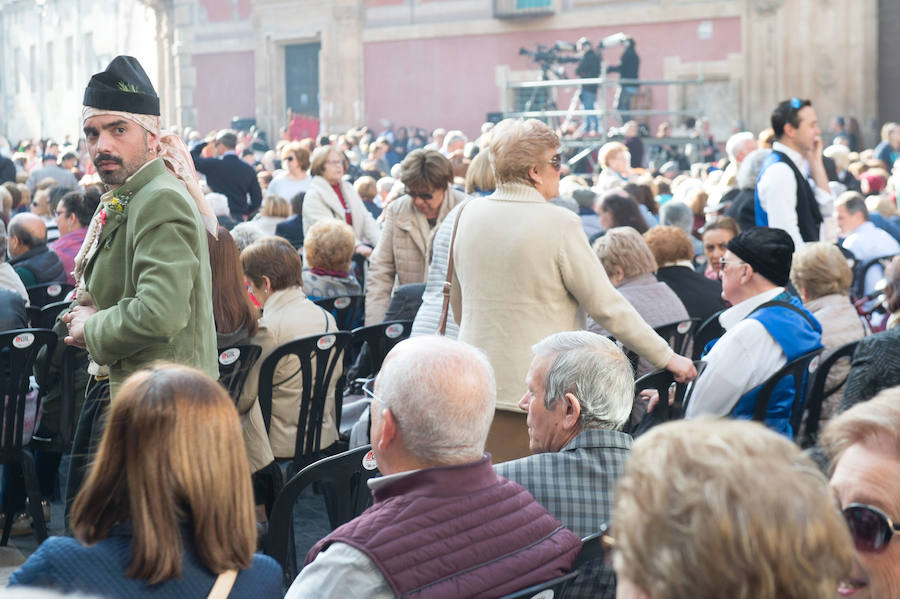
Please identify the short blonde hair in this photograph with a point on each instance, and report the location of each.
(329, 244)
(669, 244)
(480, 175)
(624, 247)
(686, 525)
(875, 423)
(300, 154)
(320, 156)
(610, 150)
(820, 269)
(517, 145)
(366, 187)
(881, 205)
(273, 205)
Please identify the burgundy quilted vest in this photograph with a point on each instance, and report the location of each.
(458, 531)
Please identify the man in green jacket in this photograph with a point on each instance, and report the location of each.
(143, 284)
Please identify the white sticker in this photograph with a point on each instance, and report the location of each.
(545, 594)
(229, 356)
(341, 303)
(683, 327)
(23, 340)
(54, 290)
(814, 364)
(326, 342)
(368, 460)
(394, 331)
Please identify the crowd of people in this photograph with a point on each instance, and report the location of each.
(505, 429)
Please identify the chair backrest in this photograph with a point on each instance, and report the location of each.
(44, 317)
(342, 478)
(797, 368)
(661, 381)
(862, 269)
(817, 393)
(18, 350)
(677, 335)
(556, 587)
(591, 548)
(346, 309)
(381, 338)
(234, 365)
(710, 329)
(326, 350)
(45, 293)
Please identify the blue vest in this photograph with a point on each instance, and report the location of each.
(797, 336)
(809, 218)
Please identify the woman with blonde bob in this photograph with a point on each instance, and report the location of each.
(274, 209)
(522, 267)
(615, 162)
(822, 277)
(167, 507)
(329, 249)
(721, 508)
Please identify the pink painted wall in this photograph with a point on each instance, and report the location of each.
(449, 81)
(217, 10)
(225, 88)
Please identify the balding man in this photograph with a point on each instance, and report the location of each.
(579, 396)
(29, 254)
(443, 523)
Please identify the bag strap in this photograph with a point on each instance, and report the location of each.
(222, 587)
(448, 284)
(788, 305)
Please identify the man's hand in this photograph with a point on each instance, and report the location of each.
(682, 368)
(75, 323)
(651, 396)
(363, 250)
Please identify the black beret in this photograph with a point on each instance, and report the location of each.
(769, 251)
(123, 86)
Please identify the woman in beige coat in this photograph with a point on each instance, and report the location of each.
(522, 269)
(404, 250)
(273, 270)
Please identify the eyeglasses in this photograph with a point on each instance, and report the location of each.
(340, 162)
(369, 390)
(556, 162)
(723, 263)
(871, 528)
(420, 195)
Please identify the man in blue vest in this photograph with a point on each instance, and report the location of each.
(764, 329)
(784, 197)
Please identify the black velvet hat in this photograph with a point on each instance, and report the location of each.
(123, 86)
(769, 251)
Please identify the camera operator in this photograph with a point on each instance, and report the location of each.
(627, 69)
(588, 68)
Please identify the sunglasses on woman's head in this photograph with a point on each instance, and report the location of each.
(870, 527)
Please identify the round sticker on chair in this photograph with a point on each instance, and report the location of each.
(814, 364)
(23, 340)
(545, 594)
(368, 460)
(683, 327)
(54, 290)
(394, 330)
(229, 356)
(326, 342)
(341, 303)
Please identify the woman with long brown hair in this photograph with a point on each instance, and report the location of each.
(167, 509)
(235, 315)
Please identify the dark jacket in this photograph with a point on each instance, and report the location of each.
(12, 310)
(231, 176)
(701, 297)
(875, 367)
(7, 170)
(588, 68)
(292, 230)
(39, 265)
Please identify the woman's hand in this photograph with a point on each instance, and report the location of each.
(682, 368)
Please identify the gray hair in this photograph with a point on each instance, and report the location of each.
(736, 141)
(384, 184)
(748, 173)
(677, 214)
(245, 234)
(595, 370)
(442, 394)
(3, 242)
(219, 203)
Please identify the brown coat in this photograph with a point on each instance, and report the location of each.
(522, 268)
(404, 251)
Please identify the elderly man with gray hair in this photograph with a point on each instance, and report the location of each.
(443, 523)
(580, 390)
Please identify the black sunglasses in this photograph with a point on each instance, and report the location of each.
(417, 194)
(556, 162)
(871, 528)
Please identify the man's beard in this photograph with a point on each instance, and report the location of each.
(128, 168)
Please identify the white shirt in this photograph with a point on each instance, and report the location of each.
(743, 358)
(868, 242)
(777, 189)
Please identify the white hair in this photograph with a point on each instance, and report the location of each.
(749, 170)
(736, 141)
(442, 394)
(595, 370)
(245, 234)
(451, 138)
(384, 184)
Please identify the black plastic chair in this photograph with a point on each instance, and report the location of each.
(862, 268)
(591, 548)
(798, 368)
(710, 329)
(661, 381)
(234, 366)
(44, 317)
(556, 586)
(817, 393)
(45, 293)
(346, 309)
(327, 350)
(18, 350)
(381, 338)
(342, 479)
(677, 335)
